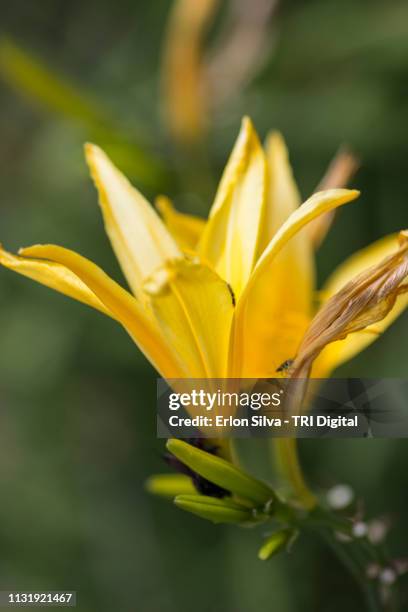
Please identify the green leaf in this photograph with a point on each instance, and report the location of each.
(170, 485)
(31, 77)
(275, 543)
(214, 509)
(221, 472)
(34, 79)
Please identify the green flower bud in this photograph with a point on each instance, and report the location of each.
(170, 485)
(275, 543)
(221, 472)
(214, 509)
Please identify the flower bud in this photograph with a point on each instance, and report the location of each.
(221, 472)
(170, 485)
(275, 543)
(214, 509)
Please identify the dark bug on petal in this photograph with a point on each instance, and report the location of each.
(285, 365)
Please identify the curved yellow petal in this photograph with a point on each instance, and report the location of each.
(230, 239)
(185, 229)
(194, 309)
(245, 320)
(279, 307)
(55, 276)
(138, 236)
(343, 350)
(317, 204)
(123, 306)
(283, 196)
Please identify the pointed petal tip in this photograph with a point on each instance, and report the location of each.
(179, 502)
(247, 136)
(274, 137)
(345, 195)
(92, 150)
(32, 251)
(247, 127)
(276, 148)
(95, 157)
(170, 444)
(351, 194)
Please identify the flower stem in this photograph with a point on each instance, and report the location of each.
(353, 555)
(289, 466)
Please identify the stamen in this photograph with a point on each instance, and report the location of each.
(232, 294)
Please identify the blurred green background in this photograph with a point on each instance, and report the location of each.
(77, 428)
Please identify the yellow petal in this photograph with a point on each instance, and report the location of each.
(55, 276)
(123, 306)
(231, 237)
(183, 72)
(193, 308)
(185, 229)
(138, 235)
(283, 195)
(343, 350)
(279, 307)
(246, 311)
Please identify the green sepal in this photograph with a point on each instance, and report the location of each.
(276, 542)
(214, 509)
(170, 485)
(221, 472)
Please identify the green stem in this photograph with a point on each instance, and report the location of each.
(368, 587)
(344, 553)
(289, 466)
(355, 555)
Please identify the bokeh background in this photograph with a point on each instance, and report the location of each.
(77, 417)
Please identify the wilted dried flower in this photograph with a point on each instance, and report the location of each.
(365, 300)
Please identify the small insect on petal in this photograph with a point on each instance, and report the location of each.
(285, 365)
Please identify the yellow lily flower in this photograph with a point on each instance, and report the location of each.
(226, 297)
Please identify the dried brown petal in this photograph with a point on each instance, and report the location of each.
(339, 173)
(366, 299)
